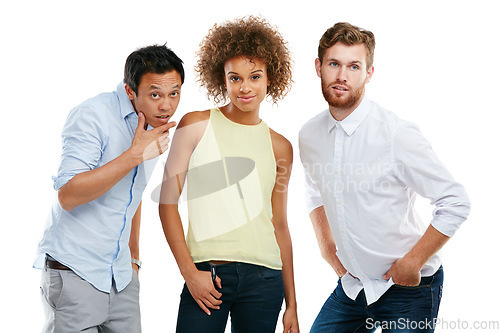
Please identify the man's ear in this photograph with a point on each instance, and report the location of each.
(130, 92)
(369, 74)
(317, 64)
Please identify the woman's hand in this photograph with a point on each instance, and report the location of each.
(203, 290)
(290, 320)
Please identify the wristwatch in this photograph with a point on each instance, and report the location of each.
(137, 262)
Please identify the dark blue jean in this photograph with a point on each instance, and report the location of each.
(400, 309)
(252, 294)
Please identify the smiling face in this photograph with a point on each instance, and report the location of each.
(246, 82)
(157, 96)
(343, 76)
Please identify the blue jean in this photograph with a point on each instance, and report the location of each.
(400, 309)
(252, 294)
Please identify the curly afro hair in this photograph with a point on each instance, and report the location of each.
(252, 37)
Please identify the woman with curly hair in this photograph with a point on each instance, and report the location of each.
(237, 255)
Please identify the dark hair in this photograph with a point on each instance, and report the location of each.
(348, 34)
(151, 59)
(251, 37)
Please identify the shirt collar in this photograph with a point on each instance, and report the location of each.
(126, 107)
(352, 121)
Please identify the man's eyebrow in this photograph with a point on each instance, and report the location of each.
(156, 87)
(350, 62)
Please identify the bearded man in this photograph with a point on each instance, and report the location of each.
(364, 167)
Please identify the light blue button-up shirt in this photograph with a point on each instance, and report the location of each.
(92, 239)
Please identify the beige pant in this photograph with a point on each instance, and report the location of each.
(71, 304)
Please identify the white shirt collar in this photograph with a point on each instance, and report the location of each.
(352, 121)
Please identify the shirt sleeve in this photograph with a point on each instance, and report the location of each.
(312, 194)
(417, 166)
(83, 141)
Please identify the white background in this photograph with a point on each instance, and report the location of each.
(436, 63)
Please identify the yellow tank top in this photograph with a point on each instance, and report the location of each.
(230, 181)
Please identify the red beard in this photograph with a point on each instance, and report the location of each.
(344, 102)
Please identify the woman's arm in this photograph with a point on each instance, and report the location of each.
(200, 285)
(283, 153)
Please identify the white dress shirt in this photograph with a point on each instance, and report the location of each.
(366, 171)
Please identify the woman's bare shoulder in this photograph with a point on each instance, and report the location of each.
(194, 117)
(282, 147)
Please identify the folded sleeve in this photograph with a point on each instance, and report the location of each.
(312, 194)
(83, 141)
(417, 166)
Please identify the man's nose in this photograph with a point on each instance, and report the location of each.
(166, 105)
(342, 74)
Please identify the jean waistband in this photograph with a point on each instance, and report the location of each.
(429, 279)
